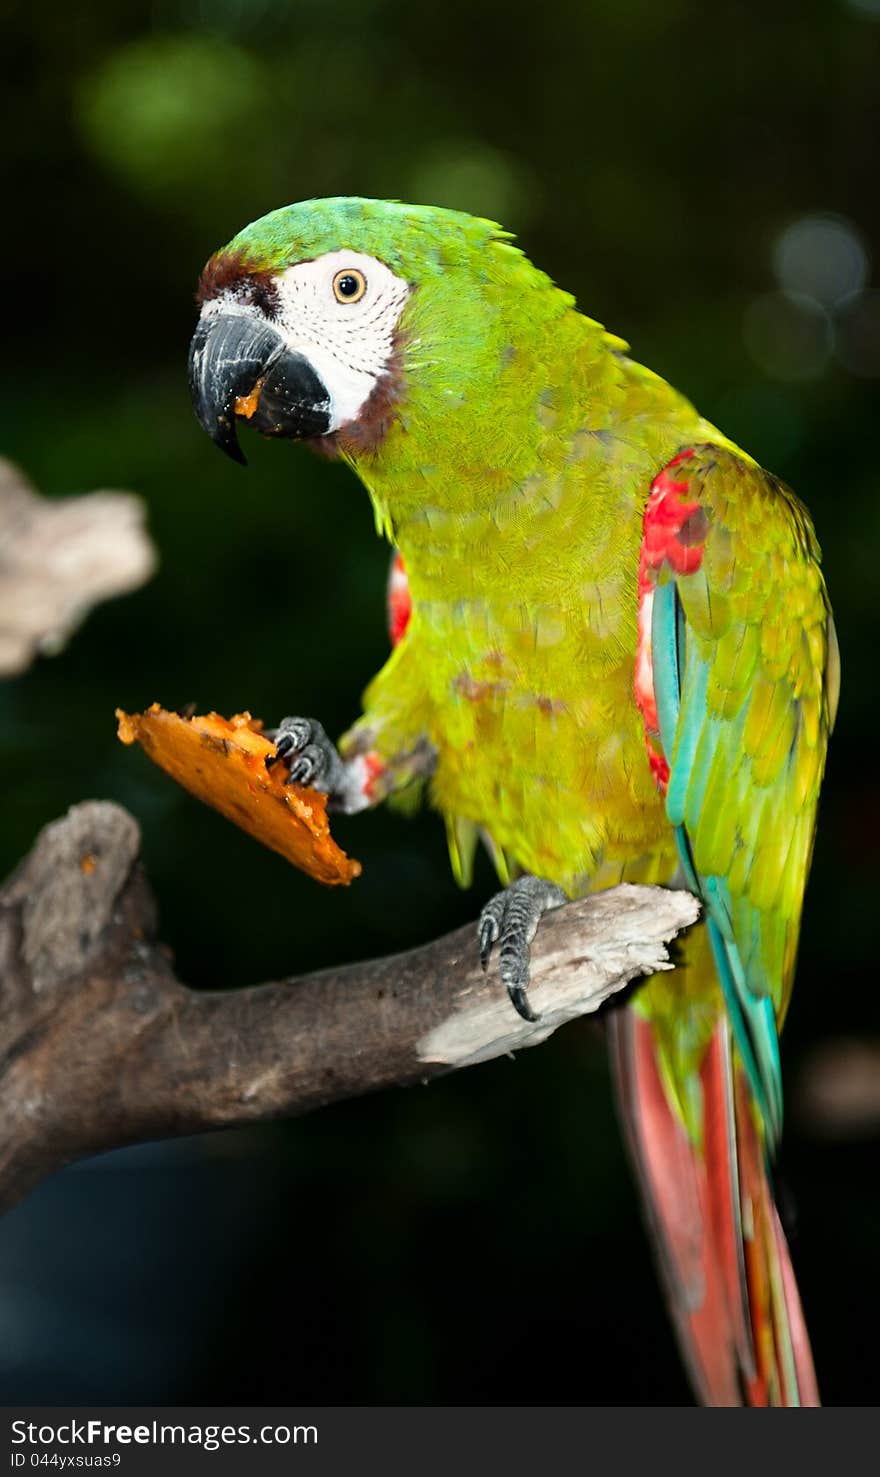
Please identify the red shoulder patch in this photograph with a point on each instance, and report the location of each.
(674, 525)
(674, 531)
(399, 600)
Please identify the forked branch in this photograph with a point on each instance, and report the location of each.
(101, 1045)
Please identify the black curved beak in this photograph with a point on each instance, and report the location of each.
(237, 357)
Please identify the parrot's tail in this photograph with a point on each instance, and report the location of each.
(720, 1245)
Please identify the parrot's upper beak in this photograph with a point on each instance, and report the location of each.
(240, 365)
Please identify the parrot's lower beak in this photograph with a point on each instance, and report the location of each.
(240, 365)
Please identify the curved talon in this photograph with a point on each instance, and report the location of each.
(513, 917)
(302, 771)
(283, 745)
(487, 935)
(311, 759)
(520, 1002)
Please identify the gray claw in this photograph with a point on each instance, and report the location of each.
(307, 766)
(512, 917)
(283, 745)
(520, 1002)
(311, 758)
(487, 933)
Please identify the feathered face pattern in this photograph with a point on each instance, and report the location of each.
(299, 352)
(300, 314)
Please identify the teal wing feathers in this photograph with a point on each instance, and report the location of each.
(745, 685)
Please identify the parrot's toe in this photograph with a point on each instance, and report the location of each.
(488, 933)
(511, 919)
(311, 758)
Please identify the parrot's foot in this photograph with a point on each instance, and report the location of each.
(311, 758)
(511, 919)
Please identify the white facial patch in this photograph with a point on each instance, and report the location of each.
(349, 344)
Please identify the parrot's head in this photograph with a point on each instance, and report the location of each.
(318, 320)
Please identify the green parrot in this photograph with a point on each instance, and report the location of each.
(613, 660)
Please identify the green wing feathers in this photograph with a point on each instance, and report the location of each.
(746, 678)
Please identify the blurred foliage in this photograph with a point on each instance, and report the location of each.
(655, 157)
(158, 110)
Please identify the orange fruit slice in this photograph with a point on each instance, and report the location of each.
(223, 762)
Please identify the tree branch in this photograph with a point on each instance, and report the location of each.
(100, 1044)
(58, 558)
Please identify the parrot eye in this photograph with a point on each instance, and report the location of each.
(349, 285)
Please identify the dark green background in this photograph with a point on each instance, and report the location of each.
(478, 1240)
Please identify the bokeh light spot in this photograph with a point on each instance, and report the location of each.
(822, 256)
(788, 335)
(858, 334)
(160, 110)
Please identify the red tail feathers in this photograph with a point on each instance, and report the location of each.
(722, 1252)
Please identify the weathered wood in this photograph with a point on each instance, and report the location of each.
(100, 1044)
(58, 558)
